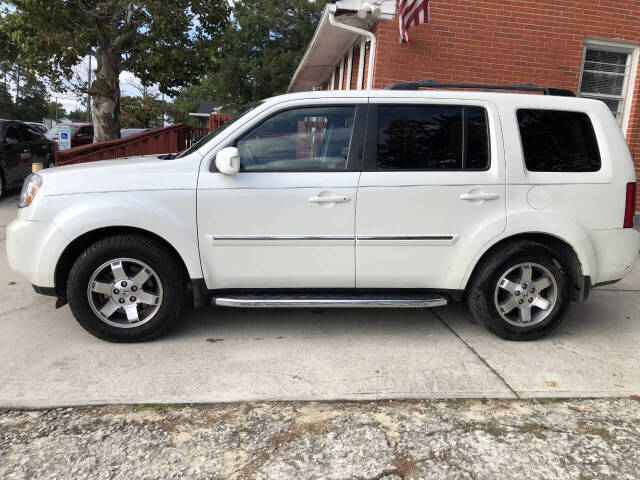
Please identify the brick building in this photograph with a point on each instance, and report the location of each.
(588, 46)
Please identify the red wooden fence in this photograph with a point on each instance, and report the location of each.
(217, 119)
(172, 139)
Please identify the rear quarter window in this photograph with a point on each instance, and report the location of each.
(558, 141)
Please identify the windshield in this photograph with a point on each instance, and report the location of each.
(206, 139)
(56, 130)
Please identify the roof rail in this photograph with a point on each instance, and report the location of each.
(522, 87)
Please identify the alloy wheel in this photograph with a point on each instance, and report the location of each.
(526, 294)
(125, 292)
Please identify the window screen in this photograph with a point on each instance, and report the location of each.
(432, 137)
(557, 141)
(605, 76)
(305, 139)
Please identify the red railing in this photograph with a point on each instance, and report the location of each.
(217, 119)
(172, 139)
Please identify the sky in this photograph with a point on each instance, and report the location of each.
(128, 83)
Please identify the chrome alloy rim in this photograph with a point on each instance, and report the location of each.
(526, 294)
(125, 293)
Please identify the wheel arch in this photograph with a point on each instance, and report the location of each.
(572, 261)
(82, 242)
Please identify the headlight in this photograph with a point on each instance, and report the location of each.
(31, 186)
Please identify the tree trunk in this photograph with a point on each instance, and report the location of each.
(105, 92)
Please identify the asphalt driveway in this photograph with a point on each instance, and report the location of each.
(221, 355)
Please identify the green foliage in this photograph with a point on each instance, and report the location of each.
(6, 103)
(78, 115)
(32, 102)
(162, 42)
(258, 54)
(51, 110)
(141, 112)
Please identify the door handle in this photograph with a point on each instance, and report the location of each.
(480, 196)
(332, 199)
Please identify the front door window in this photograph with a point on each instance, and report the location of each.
(299, 140)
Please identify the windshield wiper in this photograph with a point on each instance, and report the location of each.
(168, 156)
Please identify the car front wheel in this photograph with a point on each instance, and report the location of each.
(127, 288)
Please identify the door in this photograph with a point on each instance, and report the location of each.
(13, 152)
(34, 145)
(431, 193)
(286, 220)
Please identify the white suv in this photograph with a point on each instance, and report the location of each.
(518, 203)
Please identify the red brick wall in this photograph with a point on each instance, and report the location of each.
(354, 67)
(508, 41)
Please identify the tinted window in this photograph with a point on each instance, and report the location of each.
(432, 137)
(28, 135)
(12, 137)
(86, 131)
(305, 139)
(556, 141)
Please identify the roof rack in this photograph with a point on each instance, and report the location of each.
(522, 87)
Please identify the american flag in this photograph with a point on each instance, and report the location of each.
(410, 13)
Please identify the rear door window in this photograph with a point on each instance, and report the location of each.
(432, 137)
(558, 141)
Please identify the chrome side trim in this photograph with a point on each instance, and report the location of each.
(280, 240)
(281, 237)
(406, 237)
(255, 301)
(406, 240)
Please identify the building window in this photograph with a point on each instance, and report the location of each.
(608, 74)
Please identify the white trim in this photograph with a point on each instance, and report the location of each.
(359, 31)
(633, 50)
(349, 67)
(363, 44)
(332, 86)
(341, 76)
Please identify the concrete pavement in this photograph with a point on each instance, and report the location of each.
(219, 354)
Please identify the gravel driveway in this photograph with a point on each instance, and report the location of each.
(463, 439)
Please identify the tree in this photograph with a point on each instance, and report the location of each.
(258, 54)
(162, 42)
(55, 110)
(31, 105)
(6, 103)
(142, 112)
(77, 115)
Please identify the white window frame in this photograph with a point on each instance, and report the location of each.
(628, 87)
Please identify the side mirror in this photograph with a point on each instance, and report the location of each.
(228, 161)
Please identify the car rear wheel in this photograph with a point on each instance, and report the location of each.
(521, 292)
(127, 288)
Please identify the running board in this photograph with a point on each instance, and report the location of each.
(330, 301)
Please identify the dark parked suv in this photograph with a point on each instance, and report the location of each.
(20, 146)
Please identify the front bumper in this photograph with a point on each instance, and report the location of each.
(33, 250)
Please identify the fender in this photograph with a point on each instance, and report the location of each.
(548, 223)
(170, 214)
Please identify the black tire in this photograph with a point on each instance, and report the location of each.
(161, 259)
(49, 162)
(3, 184)
(482, 288)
